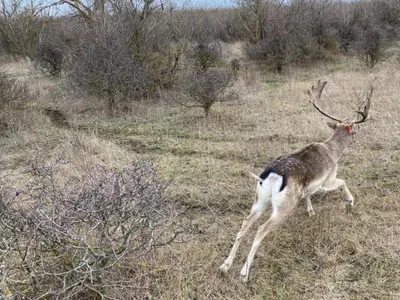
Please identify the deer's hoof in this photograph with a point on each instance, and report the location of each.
(224, 267)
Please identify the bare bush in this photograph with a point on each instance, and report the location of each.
(206, 56)
(290, 35)
(370, 46)
(309, 23)
(271, 50)
(130, 55)
(345, 20)
(105, 67)
(50, 58)
(64, 243)
(207, 87)
(387, 12)
(12, 92)
(308, 30)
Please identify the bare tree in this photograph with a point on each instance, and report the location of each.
(95, 10)
(253, 15)
(22, 24)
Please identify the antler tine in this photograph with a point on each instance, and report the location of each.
(365, 113)
(315, 94)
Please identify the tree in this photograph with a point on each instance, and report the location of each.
(253, 15)
(21, 26)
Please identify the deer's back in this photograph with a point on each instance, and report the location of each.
(305, 166)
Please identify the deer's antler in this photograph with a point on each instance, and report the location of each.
(365, 112)
(315, 94)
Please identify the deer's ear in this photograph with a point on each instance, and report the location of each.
(332, 125)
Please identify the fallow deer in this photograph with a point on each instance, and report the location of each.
(290, 178)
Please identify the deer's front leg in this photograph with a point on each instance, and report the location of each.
(310, 209)
(337, 183)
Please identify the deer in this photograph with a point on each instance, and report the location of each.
(290, 178)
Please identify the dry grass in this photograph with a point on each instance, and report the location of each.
(330, 256)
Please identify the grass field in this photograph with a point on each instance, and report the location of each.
(332, 255)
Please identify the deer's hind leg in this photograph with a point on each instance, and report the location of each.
(283, 205)
(258, 208)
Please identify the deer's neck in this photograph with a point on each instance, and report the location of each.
(336, 144)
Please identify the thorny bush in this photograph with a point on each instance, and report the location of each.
(64, 243)
(12, 92)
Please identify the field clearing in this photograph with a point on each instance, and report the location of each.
(332, 255)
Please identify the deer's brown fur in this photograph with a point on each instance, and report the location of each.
(312, 162)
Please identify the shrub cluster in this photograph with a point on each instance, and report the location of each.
(71, 243)
(308, 30)
(12, 92)
(50, 58)
(144, 46)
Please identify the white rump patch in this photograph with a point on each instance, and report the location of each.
(267, 190)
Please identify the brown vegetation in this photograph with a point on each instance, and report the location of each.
(135, 60)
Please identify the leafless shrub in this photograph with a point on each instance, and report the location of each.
(228, 28)
(12, 92)
(105, 67)
(68, 243)
(206, 56)
(386, 12)
(287, 36)
(370, 46)
(271, 50)
(50, 58)
(130, 55)
(310, 28)
(204, 88)
(344, 24)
